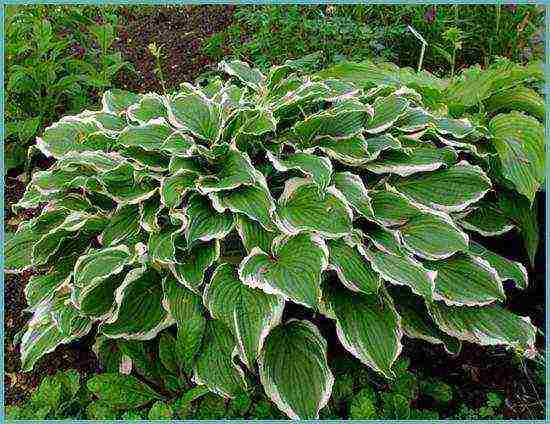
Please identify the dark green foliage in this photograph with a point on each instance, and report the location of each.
(56, 61)
(117, 396)
(265, 35)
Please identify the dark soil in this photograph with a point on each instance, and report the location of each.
(179, 31)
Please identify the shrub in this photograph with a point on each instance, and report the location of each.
(349, 193)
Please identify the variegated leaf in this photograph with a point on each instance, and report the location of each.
(253, 201)
(433, 236)
(194, 112)
(214, 366)
(355, 192)
(486, 325)
(137, 316)
(387, 110)
(250, 313)
(449, 190)
(505, 268)
(252, 234)
(301, 208)
(190, 267)
(319, 169)
(352, 266)
(294, 370)
(294, 276)
(420, 159)
(369, 327)
(204, 222)
(466, 280)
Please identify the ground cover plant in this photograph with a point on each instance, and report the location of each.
(356, 395)
(254, 211)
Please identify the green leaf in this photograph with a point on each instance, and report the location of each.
(121, 391)
(368, 327)
(252, 234)
(204, 222)
(196, 113)
(293, 276)
(189, 268)
(395, 406)
(486, 325)
(449, 190)
(160, 411)
(387, 110)
(294, 370)
(214, 366)
(138, 316)
(247, 75)
(186, 308)
(419, 159)
(519, 141)
(123, 226)
(518, 98)
(352, 267)
(99, 410)
(505, 268)
(301, 208)
(466, 280)
(355, 192)
(524, 217)
(319, 169)
(250, 313)
(403, 270)
(253, 201)
(167, 352)
(432, 236)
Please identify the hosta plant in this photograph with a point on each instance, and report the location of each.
(247, 211)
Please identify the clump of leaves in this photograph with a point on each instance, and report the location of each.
(214, 209)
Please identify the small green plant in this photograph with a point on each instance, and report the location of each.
(490, 410)
(57, 59)
(453, 37)
(206, 215)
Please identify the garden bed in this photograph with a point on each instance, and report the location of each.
(473, 373)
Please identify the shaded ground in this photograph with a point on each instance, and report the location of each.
(473, 373)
